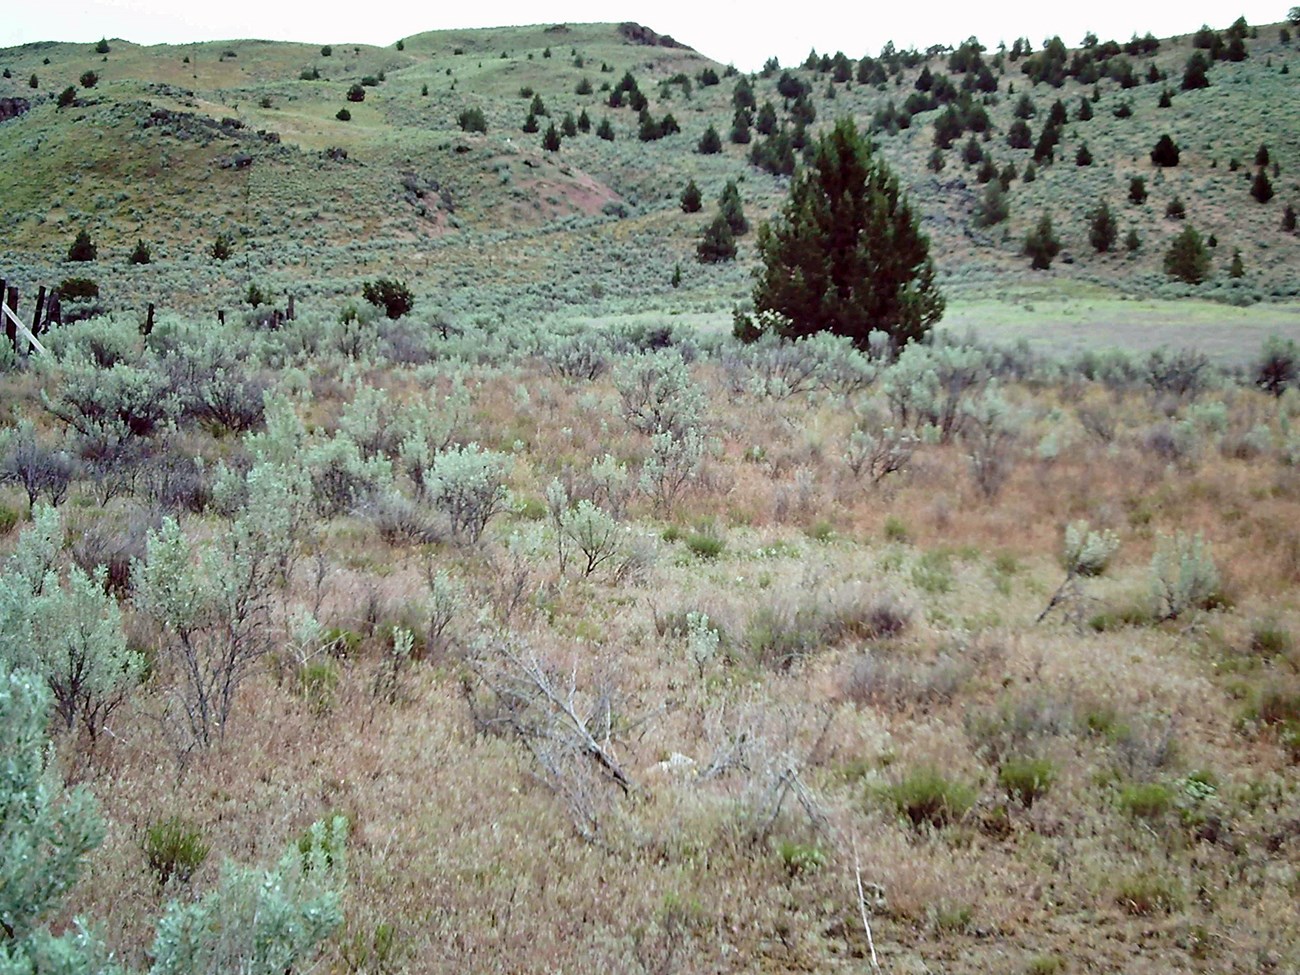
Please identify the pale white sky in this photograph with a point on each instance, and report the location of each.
(743, 34)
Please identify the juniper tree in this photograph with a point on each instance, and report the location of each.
(846, 254)
(691, 199)
(1041, 244)
(993, 207)
(718, 244)
(1102, 229)
(1166, 152)
(1261, 189)
(732, 209)
(1187, 258)
(83, 248)
(710, 143)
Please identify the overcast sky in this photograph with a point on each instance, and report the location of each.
(742, 34)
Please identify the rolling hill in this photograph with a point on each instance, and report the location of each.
(175, 145)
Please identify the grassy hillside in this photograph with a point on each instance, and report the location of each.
(490, 224)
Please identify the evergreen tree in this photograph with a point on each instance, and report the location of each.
(1261, 189)
(1236, 269)
(1085, 110)
(530, 124)
(538, 107)
(718, 244)
(766, 122)
(993, 206)
(1102, 229)
(1175, 209)
(1041, 244)
(691, 201)
(1194, 74)
(584, 121)
(141, 254)
(1045, 149)
(1084, 156)
(1187, 258)
(846, 254)
(972, 152)
(1288, 219)
(1166, 152)
(1137, 190)
(83, 248)
(569, 127)
(1166, 99)
(605, 131)
(1132, 241)
(1019, 135)
(740, 127)
(1261, 155)
(710, 142)
(732, 209)
(472, 120)
(551, 139)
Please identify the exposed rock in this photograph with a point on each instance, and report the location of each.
(636, 34)
(13, 107)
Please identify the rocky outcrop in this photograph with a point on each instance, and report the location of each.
(13, 107)
(636, 34)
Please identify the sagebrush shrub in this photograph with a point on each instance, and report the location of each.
(467, 484)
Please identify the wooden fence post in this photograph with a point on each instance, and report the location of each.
(288, 313)
(147, 328)
(221, 317)
(37, 324)
(11, 332)
(11, 302)
(53, 310)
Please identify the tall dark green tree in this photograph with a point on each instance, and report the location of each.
(1187, 258)
(718, 244)
(732, 209)
(1102, 229)
(1041, 244)
(710, 143)
(1194, 74)
(1166, 152)
(846, 254)
(1261, 189)
(691, 200)
(83, 248)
